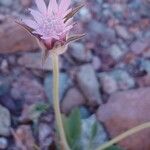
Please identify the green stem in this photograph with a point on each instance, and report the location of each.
(55, 62)
(124, 135)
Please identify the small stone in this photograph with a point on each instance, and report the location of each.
(145, 65)
(123, 32)
(34, 61)
(4, 85)
(99, 138)
(24, 138)
(79, 53)
(108, 83)
(88, 84)
(5, 121)
(65, 82)
(85, 14)
(45, 136)
(140, 46)
(26, 3)
(3, 143)
(116, 52)
(84, 112)
(123, 79)
(28, 89)
(96, 62)
(6, 3)
(124, 111)
(72, 99)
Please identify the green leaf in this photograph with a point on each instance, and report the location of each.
(114, 147)
(94, 130)
(72, 127)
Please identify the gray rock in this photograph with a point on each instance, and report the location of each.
(84, 112)
(45, 136)
(89, 85)
(79, 52)
(6, 3)
(72, 99)
(99, 138)
(4, 85)
(123, 32)
(5, 121)
(85, 14)
(64, 81)
(108, 83)
(116, 52)
(3, 143)
(123, 79)
(145, 65)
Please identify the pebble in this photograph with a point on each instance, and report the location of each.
(88, 83)
(4, 85)
(5, 121)
(108, 83)
(116, 52)
(72, 99)
(3, 143)
(79, 52)
(99, 138)
(65, 83)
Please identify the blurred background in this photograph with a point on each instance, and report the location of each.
(106, 75)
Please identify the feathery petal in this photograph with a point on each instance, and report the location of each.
(36, 14)
(52, 7)
(41, 6)
(64, 5)
(30, 23)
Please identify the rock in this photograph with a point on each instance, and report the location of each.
(88, 83)
(6, 3)
(123, 32)
(26, 3)
(145, 65)
(34, 61)
(3, 143)
(116, 52)
(108, 83)
(96, 62)
(79, 53)
(5, 121)
(4, 85)
(28, 89)
(139, 46)
(85, 14)
(124, 111)
(84, 112)
(24, 138)
(16, 39)
(45, 136)
(99, 137)
(72, 99)
(65, 82)
(144, 81)
(123, 79)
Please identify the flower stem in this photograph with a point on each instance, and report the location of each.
(124, 135)
(55, 62)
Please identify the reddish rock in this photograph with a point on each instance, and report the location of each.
(14, 38)
(72, 99)
(124, 111)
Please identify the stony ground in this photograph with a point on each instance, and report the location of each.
(106, 75)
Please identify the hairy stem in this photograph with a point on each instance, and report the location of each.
(124, 135)
(55, 62)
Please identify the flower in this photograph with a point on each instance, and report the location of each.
(51, 24)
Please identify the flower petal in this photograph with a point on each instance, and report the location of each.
(52, 7)
(32, 24)
(41, 6)
(64, 5)
(37, 15)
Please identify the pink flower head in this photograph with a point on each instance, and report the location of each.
(52, 23)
